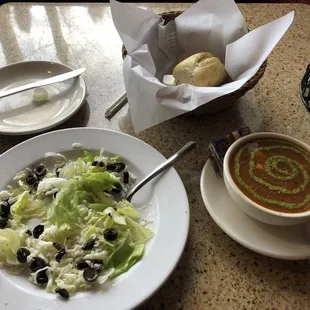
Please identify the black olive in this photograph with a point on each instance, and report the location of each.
(38, 231)
(111, 167)
(118, 167)
(60, 254)
(55, 194)
(117, 188)
(82, 265)
(110, 234)
(28, 232)
(57, 171)
(126, 177)
(40, 171)
(90, 274)
(42, 277)
(5, 208)
(96, 264)
(22, 255)
(57, 246)
(35, 185)
(31, 179)
(63, 293)
(3, 222)
(89, 245)
(94, 163)
(36, 263)
(101, 164)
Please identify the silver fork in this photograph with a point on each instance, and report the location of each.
(165, 165)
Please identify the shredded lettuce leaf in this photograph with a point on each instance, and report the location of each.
(124, 207)
(27, 207)
(88, 158)
(10, 241)
(125, 258)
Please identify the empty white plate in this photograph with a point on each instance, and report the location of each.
(20, 115)
(279, 242)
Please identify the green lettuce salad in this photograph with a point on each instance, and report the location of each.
(69, 228)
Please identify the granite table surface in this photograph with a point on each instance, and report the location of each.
(214, 272)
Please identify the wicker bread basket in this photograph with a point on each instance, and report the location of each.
(223, 102)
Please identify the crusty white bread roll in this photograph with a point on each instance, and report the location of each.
(202, 70)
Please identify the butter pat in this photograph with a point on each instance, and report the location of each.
(169, 80)
(40, 95)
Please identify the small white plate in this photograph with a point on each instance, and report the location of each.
(164, 200)
(19, 115)
(289, 243)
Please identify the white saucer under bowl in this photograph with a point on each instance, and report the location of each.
(291, 243)
(20, 115)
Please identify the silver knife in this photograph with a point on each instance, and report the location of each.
(48, 81)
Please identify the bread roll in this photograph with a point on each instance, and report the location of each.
(202, 70)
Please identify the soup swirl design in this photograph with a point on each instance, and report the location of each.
(273, 173)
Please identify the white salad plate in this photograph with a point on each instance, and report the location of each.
(290, 243)
(20, 115)
(163, 201)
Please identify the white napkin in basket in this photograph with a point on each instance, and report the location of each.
(215, 26)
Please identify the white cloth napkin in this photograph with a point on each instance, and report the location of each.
(215, 26)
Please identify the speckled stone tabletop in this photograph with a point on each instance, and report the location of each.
(215, 272)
